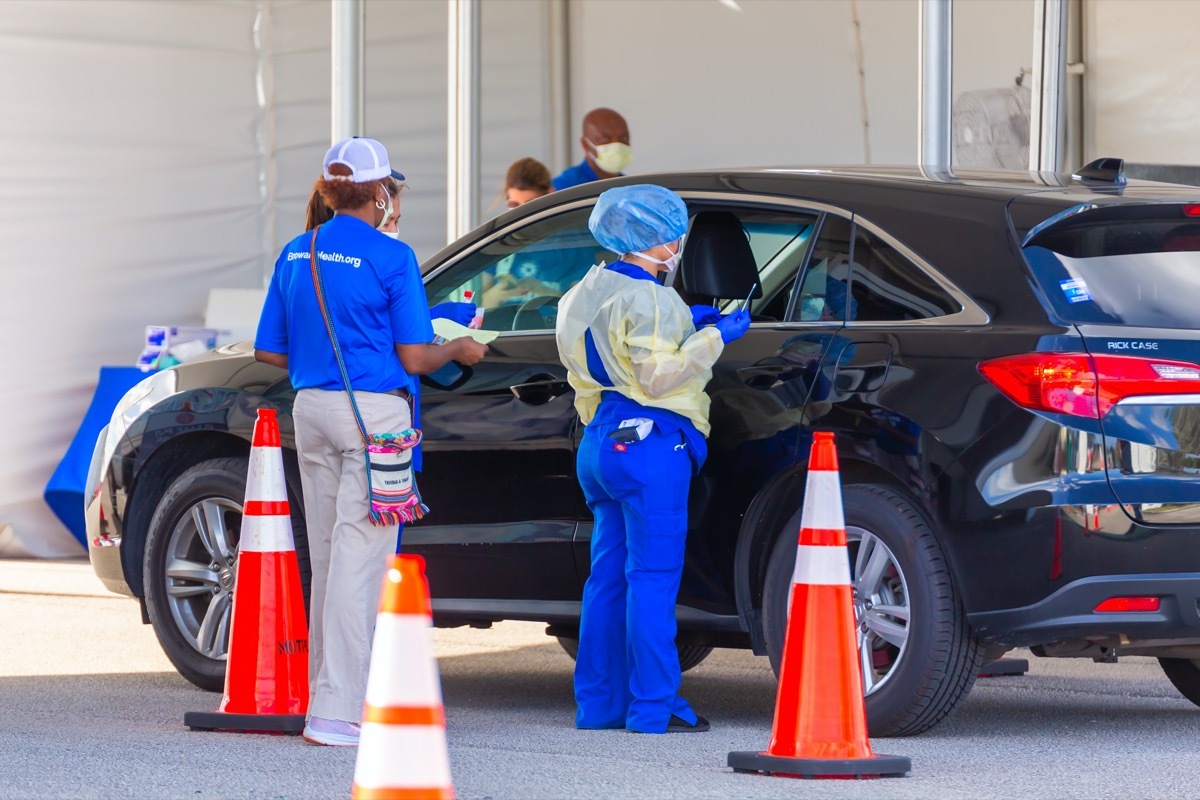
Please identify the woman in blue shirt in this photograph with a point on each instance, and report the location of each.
(376, 300)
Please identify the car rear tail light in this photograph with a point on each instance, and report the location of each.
(1192, 209)
(1119, 604)
(1083, 385)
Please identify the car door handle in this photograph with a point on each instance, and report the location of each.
(538, 393)
(764, 377)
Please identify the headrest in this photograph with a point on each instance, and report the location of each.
(717, 259)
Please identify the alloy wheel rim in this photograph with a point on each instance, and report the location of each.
(201, 571)
(881, 607)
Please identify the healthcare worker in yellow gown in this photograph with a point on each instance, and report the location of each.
(639, 367)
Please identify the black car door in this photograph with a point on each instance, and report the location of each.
(499, 437)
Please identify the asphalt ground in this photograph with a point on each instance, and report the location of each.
(90, 708)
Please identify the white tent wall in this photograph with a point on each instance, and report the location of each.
(131, 185)
(153, 151)
(703, 84)
(993, 42)
(706, 85)
(1142, 85)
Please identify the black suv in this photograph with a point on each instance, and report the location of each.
(1009, 361)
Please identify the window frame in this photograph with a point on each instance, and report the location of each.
(971, 314)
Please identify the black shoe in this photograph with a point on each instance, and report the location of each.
(677, 725)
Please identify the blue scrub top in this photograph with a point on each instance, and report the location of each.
(615, 407)
(375, 296)
(577, 175)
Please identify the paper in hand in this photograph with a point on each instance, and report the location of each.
(449, 329)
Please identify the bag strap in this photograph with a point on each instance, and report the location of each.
(319, 285)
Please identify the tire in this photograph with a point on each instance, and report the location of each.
(690, 655)
(189, 571)
(927, 663)
(1184, 674)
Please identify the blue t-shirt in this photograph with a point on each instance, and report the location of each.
(577, 175)
(375, 296)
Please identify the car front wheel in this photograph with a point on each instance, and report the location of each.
(917, 655)
(190, 566)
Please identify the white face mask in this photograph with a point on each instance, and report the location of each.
(613, 157)
(391, 234)
(671, 263)
(388, 210)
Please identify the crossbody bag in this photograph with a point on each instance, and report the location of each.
(391, 482)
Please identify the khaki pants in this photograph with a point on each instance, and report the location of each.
(349, 555)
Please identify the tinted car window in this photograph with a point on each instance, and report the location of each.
(823, 288)
(1143, 273)
(887, 287)
(518, 278)
(779, 241)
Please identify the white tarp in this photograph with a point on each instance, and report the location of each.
(151, 151)
(1142, 85)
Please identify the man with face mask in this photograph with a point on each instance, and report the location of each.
(606, 152)
(638, 366)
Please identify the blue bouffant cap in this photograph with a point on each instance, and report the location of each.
(629, 219)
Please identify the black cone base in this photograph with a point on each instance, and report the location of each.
(876, 766)
(244, 723)
(1004, 666)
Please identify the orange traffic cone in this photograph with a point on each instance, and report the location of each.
(820, 728)
(266, 679)
(402, 748)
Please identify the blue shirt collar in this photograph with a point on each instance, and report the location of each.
(586, 169)
(631, 271)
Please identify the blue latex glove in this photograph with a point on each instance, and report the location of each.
(462, 313)
(705, 315)
(734, 326)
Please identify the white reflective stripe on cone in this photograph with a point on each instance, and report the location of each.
(821, 565)
(271, 534)
(265, 480)
(402, 757)
(822, 502)
(404, 672)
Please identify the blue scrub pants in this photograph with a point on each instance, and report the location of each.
(627, 670)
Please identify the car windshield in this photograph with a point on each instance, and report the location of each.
(1143, 273)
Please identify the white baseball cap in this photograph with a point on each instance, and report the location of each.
(366, 159)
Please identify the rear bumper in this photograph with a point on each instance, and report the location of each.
(1069, 613)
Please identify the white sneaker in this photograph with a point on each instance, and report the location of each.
(333, 732)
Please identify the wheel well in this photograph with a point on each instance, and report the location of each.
(770, 510)
(155, 476)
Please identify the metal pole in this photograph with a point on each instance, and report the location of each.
(934, 130)
(462, 124)
(347, 52)
(1049, 80)
(562, 145)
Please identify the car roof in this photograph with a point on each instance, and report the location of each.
(984, 208)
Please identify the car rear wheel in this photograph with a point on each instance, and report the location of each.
(916, 651)
(1184, 674)
(190, 566)
(690, 655)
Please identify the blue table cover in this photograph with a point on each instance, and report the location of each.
(64, 491)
